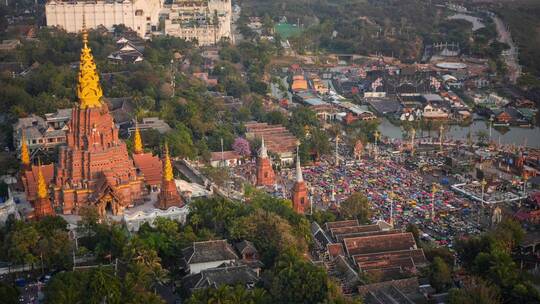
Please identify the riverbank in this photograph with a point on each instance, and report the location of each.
(507, 135)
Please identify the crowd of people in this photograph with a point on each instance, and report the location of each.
(397, 193)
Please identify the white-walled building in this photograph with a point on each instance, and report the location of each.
(208, 254)
(206, 21)
(140, 15)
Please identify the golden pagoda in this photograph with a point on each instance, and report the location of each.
(25, 154)
(88, 90)
(42, 204)
(137, 141)
(167, 167)
(168, 195)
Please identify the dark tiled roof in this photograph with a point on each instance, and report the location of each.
(215, 277)
(387, 295)
(353, 229)
(338, 224)
(209, 251)
(241, 246)
(319, 234)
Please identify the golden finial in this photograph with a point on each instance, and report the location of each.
(42, 185)
(137, 141)
(84, 31)
(167, 166)
(88, 89)
(377, 135)
(25, 154)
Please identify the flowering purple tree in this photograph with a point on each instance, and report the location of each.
(241, 146)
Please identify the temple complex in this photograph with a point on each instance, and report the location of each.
(94, 167)
(265, 173)
(300, 193)
(168, 196)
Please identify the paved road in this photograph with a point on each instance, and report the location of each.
(511, 59)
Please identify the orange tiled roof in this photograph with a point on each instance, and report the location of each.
(150, 166)
(379, 243)
(417, 255)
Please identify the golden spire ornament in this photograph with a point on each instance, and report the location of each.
(25, 154)
(167, 166)
(137, 141)
(42, 185)
(88, 88)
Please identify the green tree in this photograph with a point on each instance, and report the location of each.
(440, 274)
(356, 206)
(102, 287)
(475, 291)
(318, 142)
(21, 243)
(180, 142)
(296, 280)
(412, 228)
(9, 293)
(66, 288)
(482, 136)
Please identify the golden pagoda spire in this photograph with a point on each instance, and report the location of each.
(25, 154)
(88, 89)
(137, 141)
(42, 185)
(167, 166)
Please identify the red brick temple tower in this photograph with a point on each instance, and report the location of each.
(265, 173)
(168, 196)
(300, 193)
(42, 204)
(94, 167)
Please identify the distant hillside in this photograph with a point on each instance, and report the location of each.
(523, 18)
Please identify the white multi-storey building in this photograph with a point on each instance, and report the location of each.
(206, 21)
(140, 15)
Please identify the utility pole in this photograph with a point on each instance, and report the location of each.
(391, 198)
(433, 191)
(311, 201)
(481, 207)
(376, 135)
(441, 130)
(337, 152)
(222, 156)
(413, 133)
(173, 82)
(490, 126)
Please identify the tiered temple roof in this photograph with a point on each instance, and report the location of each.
(277, 138)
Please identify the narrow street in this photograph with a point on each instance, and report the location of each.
(510, 56)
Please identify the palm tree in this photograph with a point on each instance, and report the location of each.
(103, 287)
(221, 295)
(239, 295)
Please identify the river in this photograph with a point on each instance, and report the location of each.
(512, 135)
